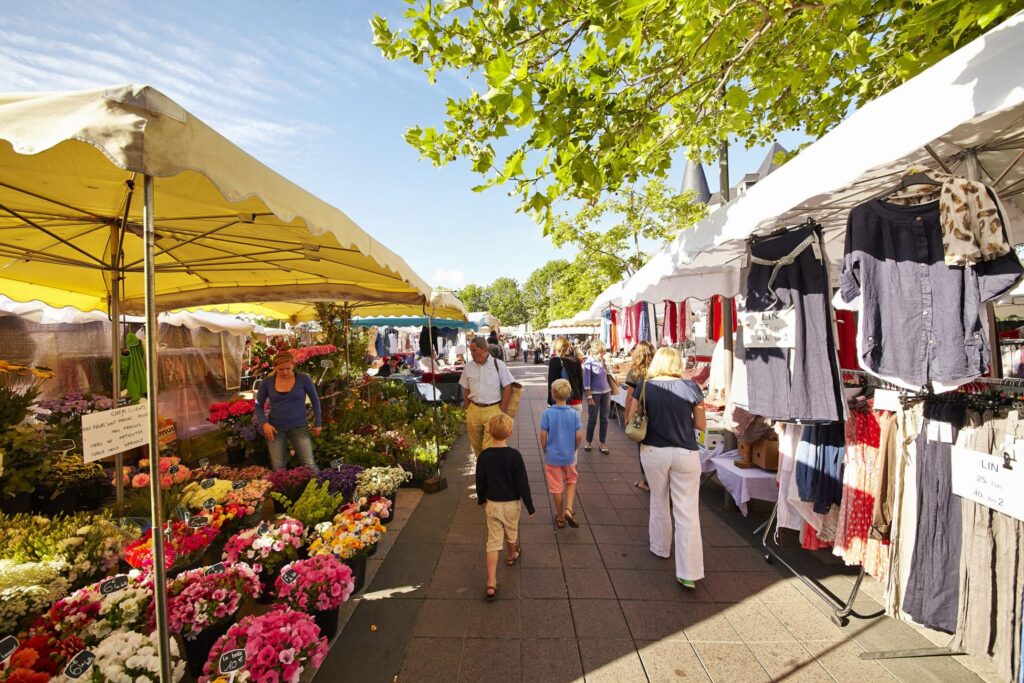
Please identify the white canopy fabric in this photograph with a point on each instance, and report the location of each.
(38, 312)
(610, 297)
(483, 319)
(964, 113)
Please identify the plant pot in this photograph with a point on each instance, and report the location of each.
(65, 503)
(358, 567)
(197, 651)
(278, 506)
(267, 579)
(194, 563)
(19, 503)
(236, 455)
(393, 497)
(372, 551)
(327, 621)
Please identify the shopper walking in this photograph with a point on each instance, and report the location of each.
(286, 392)
(486, 390)
(641, 357)
(675, 410)
(599, 394)
(501, 483)
(564, 364)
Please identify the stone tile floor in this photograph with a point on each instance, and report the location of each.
(594, 604)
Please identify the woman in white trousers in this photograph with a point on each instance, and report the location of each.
(669, 453)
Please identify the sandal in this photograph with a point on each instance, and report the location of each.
(604, 450)
(560, 523)
(491, 592)
(588, 448)
(642, 485)
(512, 560)
(571, 519)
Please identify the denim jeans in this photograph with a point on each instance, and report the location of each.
(301, 440)
(601, 404)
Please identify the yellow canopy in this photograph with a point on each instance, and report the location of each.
(442, 305)
(228, 228)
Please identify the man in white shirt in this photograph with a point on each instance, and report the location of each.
(486, 390)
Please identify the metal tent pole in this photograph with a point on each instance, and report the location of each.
(159, 569)
(115, 346)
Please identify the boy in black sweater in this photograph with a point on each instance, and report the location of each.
(500, 484)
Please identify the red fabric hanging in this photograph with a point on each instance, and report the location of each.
(715, 318)
(683, 318)
(846, 324)
(613, 333)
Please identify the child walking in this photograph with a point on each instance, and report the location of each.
(500, 484)
(561, 434)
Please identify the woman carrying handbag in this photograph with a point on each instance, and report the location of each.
(674, 412)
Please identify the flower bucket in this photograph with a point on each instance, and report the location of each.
(267, 578)
(196, 651)
(21, 502)
(327, 621)
(236, 455)
(372, 551)
(358, 566)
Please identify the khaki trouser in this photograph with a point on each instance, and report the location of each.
(476, 424)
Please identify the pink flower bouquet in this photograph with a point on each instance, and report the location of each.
(267, 546)
(278, 646)
(197, 600)
(320, 583)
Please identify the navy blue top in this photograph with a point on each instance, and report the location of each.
(288, 410)
(669, 405)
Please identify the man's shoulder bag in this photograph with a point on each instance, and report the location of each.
(636, 429)
(517, 392)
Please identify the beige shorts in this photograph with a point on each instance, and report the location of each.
(502, 523)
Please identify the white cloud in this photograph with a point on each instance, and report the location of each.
(453, 279)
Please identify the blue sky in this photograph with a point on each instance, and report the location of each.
(300, 86)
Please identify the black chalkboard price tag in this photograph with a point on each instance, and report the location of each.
(239, 484)
(336, 464)
(214, 569)
(263, 528)
(290, 576)
(209, 503)
(8, 644)
(204, 462)
(208, 483)
(198, 522)
(174, 470)
(231, 662)
(114, 584)
(79, 664)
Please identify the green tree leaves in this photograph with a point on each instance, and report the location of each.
(605, 91)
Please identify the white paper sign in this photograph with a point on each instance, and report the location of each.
(769, 329)
(114, 431)
(982, 478)
(886, 399)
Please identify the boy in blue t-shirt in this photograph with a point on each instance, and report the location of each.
(561, 434)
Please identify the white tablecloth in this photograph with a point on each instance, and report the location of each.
(744, 484)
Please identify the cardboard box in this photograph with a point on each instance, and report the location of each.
(766, 454)
(746, 450)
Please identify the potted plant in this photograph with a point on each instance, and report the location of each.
(71, 482)
(340, 479)
(234, 418)
(182, 548)
(350, 537)
(27, 589)
(62, 416)
(266, 548)
(202, 604)
(381, 481)
(316, 586)
(24, 466)
(278, 645)
(251, 495)
(315, 505)
(126, 655)
(289, 482)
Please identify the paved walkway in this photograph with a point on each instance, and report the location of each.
(594, 603)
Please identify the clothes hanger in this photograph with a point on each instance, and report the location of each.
(917, 177)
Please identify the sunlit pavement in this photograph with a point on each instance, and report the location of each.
(593, 603)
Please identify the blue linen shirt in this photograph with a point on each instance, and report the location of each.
(287, 410)
(561, 423)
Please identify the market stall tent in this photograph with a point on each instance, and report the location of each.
(964, 115)
(121, 196)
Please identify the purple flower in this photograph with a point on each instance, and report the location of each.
(343, 479)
